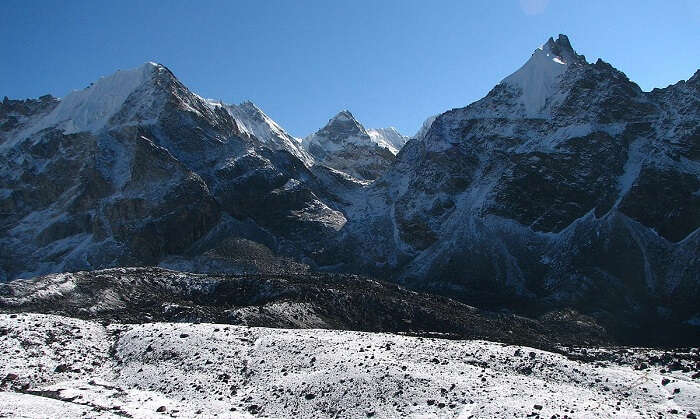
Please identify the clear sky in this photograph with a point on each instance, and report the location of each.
(391, 62)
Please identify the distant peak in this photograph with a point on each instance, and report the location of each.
(342, 128)
(389, 138)
(345, 121)
(344, 115)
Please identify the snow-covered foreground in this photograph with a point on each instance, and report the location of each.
(55, 366)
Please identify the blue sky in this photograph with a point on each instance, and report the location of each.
(389, 62)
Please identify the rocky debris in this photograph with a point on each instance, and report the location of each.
(314, 300)
(267, 372)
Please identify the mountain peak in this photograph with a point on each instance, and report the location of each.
(562, 50)
(425, 127)
(252, 120)
(89, 109)
(345, 145)
(539, 77)
(150, 64)
(562, 42)
(344, 115)
(344, 123)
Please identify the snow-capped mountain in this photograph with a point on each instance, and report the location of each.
(345, 145)
(135, 168)
(90, 109)
(566, 186)
(536, 83)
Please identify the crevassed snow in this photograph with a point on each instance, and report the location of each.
(90, 109)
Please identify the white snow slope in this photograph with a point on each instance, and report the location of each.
(425, 127)
(388, 138)
(62, 367)
(539, 77)
(90, 109)
(255, 122)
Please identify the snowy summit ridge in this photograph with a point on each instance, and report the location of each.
(389, 138)
(253, 121)
(91, 108)
(537, 80)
